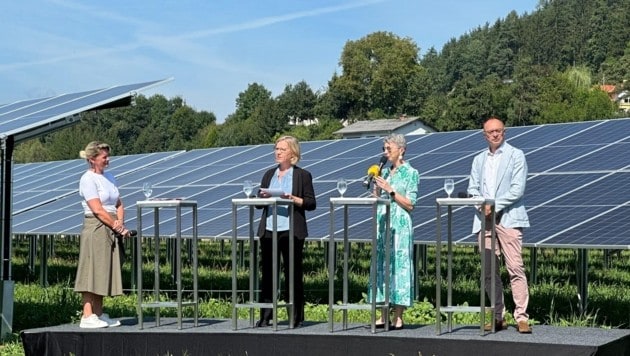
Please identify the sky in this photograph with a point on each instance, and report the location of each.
(212, 49)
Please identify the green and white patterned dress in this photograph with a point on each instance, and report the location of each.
(404, 182)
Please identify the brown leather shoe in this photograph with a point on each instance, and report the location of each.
(523, 327)
(498, 326)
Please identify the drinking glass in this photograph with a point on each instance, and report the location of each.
(342, 186)
(449, 186)
(248, 186)
(147, 189)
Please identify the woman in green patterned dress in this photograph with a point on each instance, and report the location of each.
(399, 182)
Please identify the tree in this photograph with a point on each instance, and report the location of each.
(434, 111)
(579, 77)
(270, 119)
(297, 102)
(324, 129)
(248, 101)
(264, 120)
(474, 59)
(153, 124)
(248, 132)
(471, 103)
(31, 151)
(184, 127)
(524, 89)
(332, 103)
(504, 45)
(376, 72)
(434, 68)
(563, 98)
(617, 69)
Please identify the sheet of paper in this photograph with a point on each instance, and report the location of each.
(272, 192)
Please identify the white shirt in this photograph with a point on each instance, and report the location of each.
(101, 186)
(491, 168)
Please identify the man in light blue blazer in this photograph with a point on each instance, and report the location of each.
(500, 173)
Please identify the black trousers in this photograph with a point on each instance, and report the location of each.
(266, 283)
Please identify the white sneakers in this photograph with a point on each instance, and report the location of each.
(95, 322)
(110, 322)
(92, 322)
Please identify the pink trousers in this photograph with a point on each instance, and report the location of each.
(509, 243)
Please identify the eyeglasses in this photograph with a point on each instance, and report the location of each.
(390, 148)
(494, 132)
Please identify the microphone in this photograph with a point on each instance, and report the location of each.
(371, 173)
(374, 171)
(121, 244)
(131, 233)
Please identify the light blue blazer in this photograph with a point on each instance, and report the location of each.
(511, 179)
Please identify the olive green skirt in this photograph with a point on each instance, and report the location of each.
(99, 269)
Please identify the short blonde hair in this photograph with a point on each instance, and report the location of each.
(93, 149)
(294, 146)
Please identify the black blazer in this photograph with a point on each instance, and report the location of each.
(303, 188)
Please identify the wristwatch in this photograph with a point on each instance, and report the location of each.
(392, 194)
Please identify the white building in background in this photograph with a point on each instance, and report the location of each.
(378, 128)
(623, 100)
(305, 122)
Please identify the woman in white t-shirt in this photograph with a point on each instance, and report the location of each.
(99, 269)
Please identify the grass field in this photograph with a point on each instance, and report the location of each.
(553, 299)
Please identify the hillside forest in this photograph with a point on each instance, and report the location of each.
(536, 68)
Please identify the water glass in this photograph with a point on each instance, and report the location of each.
(248, 187)
(147, 189)
(342, 186)
(449, 186)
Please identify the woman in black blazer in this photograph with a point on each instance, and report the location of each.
(297, 184)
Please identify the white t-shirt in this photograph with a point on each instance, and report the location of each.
(102, 186)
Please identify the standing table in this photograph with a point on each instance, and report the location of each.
(273, 204)
(449, 309)
(345, 306)
(155, 302)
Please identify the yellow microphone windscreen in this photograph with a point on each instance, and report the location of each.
(373, 171)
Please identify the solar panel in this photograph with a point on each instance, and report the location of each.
(528, 137)
(53, 180)
(30, 118)
(598, 227)
(577, 185)
(609, 157)
(547, 159)
(604, 191)
(600, 134)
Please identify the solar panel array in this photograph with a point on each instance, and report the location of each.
(577, 188)
(30, 118)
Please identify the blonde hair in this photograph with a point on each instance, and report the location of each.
(93, 149)
(294, 146)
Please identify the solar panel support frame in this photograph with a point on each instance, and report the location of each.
(8, 140)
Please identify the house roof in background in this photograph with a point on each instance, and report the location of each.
(378, 125)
